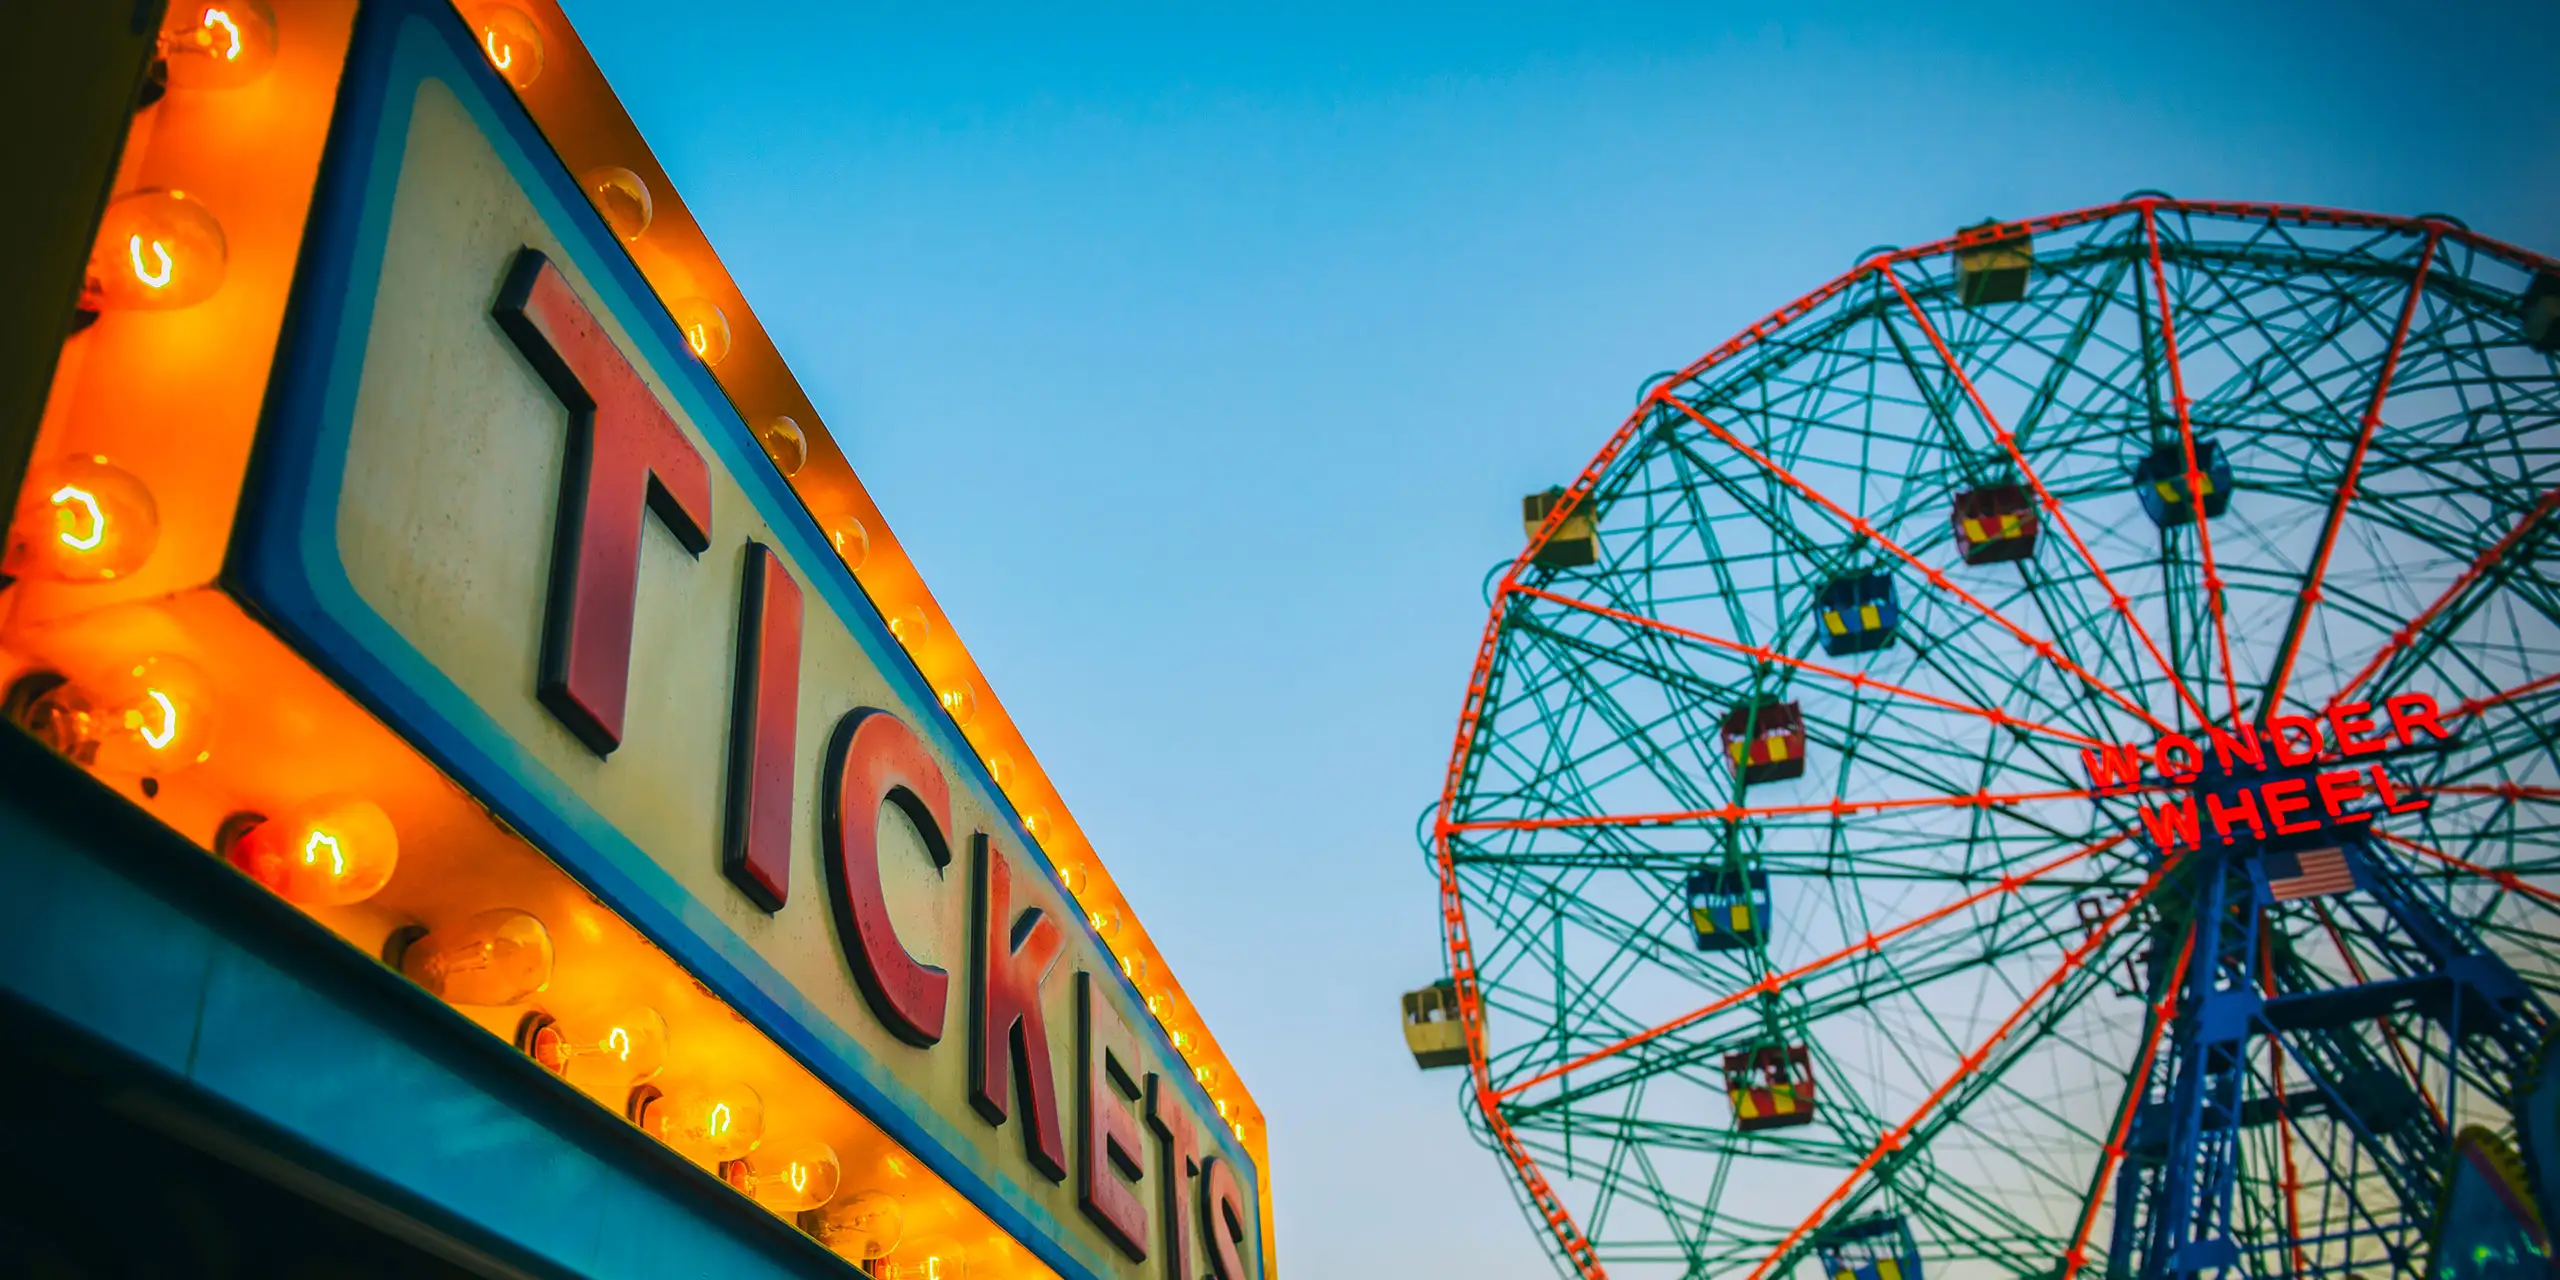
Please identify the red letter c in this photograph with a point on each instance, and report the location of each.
(874, 758)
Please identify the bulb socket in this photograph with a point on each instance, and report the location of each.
(395, 949)
(31, 706)
(635, 1107)
(538, 1037)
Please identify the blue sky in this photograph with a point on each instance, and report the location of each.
(1200, 357)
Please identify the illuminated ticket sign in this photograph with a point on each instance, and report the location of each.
(500, 499)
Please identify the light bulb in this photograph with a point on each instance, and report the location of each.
(1105, 920)
(1159, 1004)
(621, 197)
(82, 519)
(1181, 1040)
(328, 852)
(495, 957)
(512, 43)
(1135, 966)
(705, 328)
(157, 250)
(785, 443)
(710, 1122)
(1076, 880)
(789, 1178)
(606, 1051)
(1000, 768)
(156, 717)
(853, 542)
(910, 625)
(932, 1259)
(863, 1226)
(218, 44)
(960, 703)
(1037, 823)
(1206, 1074)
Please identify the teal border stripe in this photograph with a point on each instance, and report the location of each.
(285, 563)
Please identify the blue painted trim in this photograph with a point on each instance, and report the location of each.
(285, 563)
(124, 946)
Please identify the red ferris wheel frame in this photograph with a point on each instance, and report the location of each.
(1557, 1216)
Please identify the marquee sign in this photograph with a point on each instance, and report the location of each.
(499, 498)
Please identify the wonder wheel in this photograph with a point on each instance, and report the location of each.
(1786, 924)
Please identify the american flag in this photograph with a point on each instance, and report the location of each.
(2307, 874)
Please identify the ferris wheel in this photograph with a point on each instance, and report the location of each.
(1811, 869)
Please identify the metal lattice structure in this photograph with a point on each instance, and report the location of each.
(1783, 921)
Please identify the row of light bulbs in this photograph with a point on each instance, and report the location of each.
(85, 519)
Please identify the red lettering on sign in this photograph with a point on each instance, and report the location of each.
(2289, 795)
(2349, 721)
(2232, 750)
(764, 731)
(2170, 822)
(2416, 711)
(1110, 1158)
(2243, 807)
(1010, 956)
(1222, 1218)
(626, 457)
(2282, 729)
(1181, 1135)
(2390, 796)
(873, 759)
(2179, 757)
(2111, 767)
(2338, 789)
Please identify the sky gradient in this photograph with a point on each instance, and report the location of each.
(1200, 358)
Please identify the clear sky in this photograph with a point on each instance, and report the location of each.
(1200, 356)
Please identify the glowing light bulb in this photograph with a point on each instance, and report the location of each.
(790, 1177)
(1181, 1040)
(327, 852)
(910, 626)
(785, 443)
(710, 1122)
(705, 328)
(218, 44)
(495, 957)
(1076, 879)
(960, 703)
(1037, 823)
(82, 519)
(605, 1051)
(621, 197)
(1206, 1074)
(156, 717)
(853, 542)
(512, 43)
(1000, 768)
(1135, 966)
(864, 1226)
(1105, 920)
(157, 250)
(1159, 1004)
(934, 1259)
